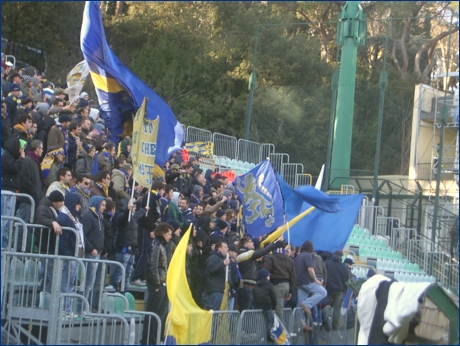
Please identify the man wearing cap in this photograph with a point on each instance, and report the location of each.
(59, 135)
(15, 78)
(337, 276)
(235, 278)
(12, 102)
(51, 163)
(25, 86)
(172, 175)
(120, 178)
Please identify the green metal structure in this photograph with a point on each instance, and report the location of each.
(351, 33)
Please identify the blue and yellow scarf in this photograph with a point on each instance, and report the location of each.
(48, 161)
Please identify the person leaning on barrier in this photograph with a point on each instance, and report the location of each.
(246, 259)
(310, 290)
(282, 277)
(155, 274)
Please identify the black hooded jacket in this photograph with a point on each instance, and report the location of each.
(11, 165)
(337, 275)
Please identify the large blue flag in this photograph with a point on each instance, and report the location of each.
(262, 199)
(328, 231)
(120, 92)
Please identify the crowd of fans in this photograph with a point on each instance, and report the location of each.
(61, 154)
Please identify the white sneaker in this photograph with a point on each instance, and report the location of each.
(138, 282)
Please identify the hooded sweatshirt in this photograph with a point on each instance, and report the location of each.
(11, 165)
(69, 217)
(92, 226)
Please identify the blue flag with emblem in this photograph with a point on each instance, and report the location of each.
(329, 225)
(120, 92)
(261, 199)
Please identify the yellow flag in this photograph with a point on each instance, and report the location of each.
(187, 323)
(144, 146)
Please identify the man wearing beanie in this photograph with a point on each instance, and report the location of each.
(13, 102)
(265, 298)
(220, 232)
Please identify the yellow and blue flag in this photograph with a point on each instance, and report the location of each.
(76, 78)
(145, 134)
(120, 92)
(202, 148)
(262, 200)
(187, 323)
(329, 225)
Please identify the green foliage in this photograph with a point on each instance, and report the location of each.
(198, 57)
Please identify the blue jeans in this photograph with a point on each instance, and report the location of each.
(7, 210)
(212, 300)
(69, 273)
(317, 293)
(127, 260)
(91, 270)
(245, 298)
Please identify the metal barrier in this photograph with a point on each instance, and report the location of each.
(16, 195)
(384, 225)
(27, 283)
(265, 150)
(195, 134)
(367, 216)
(225, 328)
(224, 145)
(347, 189)
(248, 151)
(304, 179)
(300, 319)
(278, 159)
(288, 319)
(290, 173)
(253, 328)
(450, 276)
(418, 250)
(400, 239)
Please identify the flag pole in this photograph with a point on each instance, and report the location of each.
(132, 196)
(148, 201)
(280, 230)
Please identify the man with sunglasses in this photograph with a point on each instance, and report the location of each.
(82, 190)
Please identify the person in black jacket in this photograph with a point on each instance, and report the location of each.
(248, 267)
(94, 239)
(46, 215)
(337, 276)
(147, 224)
(12, 162)
(69, 217)
(214, 281)
(265, 298)
(155, 274)
(30, 182)
(127, 244)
